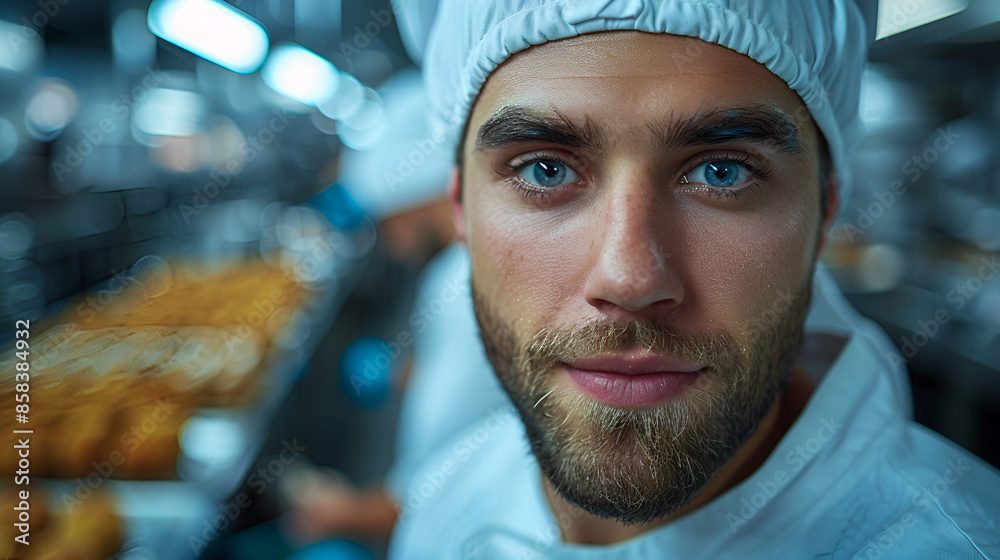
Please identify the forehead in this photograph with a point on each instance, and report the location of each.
(652, 75)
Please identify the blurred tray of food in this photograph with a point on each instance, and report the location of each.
(161, 387)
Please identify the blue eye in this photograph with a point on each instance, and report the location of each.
(719, 174)
(549, 174)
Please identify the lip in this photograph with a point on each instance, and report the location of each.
(633, 380)
(631, 363)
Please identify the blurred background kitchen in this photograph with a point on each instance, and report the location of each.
(254, 183)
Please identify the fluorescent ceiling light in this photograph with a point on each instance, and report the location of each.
(212, 30)
(170, 112)
(896, 16)
(350, 95)
(300, 74)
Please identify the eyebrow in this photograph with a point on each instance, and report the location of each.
(762, 125)
(511, 125)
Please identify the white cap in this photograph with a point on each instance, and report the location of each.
(818, 47)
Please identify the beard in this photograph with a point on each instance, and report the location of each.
(639, 465)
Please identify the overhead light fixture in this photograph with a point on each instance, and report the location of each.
(170, 112)
(897, 16)
(301, 74)
(350, 95)
(212, 30)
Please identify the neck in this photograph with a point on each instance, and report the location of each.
(585, 528)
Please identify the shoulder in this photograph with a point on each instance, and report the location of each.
(921, 493)
(961, 490)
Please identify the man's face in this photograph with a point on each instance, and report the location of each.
(643, 215)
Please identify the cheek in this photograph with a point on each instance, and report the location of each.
(741, 265)
(526, 262)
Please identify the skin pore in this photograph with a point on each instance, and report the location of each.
(628, 195)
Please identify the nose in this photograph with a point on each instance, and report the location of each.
(634, 272)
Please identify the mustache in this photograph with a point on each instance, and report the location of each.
(547, 347)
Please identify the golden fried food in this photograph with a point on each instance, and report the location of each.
(116, 374)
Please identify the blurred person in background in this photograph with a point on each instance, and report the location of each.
(449, 384)
(687, 377)
(449, 387)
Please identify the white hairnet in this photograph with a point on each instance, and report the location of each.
(818, 47)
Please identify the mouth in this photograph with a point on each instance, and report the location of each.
(640, 379)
